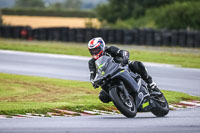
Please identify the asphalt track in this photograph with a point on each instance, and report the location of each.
(180, 121)
(167, 77)
(75, 68)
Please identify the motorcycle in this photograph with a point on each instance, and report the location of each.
(127, 90)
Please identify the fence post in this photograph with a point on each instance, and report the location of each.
(128, 37)
(175, 37)
(89, 34)
(80, 35)
(96, 33)
(119, 36)
(65, 34)
(111, 36)
(197, 39)
(190, 39)
(167, 37)
(72, 35)
(104, 34)
(158, 38)
(149, 40)
(142, 36)
(182, 38)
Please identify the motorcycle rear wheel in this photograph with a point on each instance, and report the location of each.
(128, 109)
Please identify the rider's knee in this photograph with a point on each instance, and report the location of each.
(140, 65)
(136, 66)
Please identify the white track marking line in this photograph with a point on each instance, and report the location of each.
(190, 103)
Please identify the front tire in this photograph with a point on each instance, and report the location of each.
(127, 109)
(161, 108)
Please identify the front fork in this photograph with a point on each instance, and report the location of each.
(125, 92)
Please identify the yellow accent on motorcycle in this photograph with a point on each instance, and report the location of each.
(122, 71)
(100, 66)
(102, 73)
(145, 104)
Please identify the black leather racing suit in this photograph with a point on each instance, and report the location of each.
(119, 56)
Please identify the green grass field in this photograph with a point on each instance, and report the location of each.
(29, 94)
(191, 59)
(21, 94)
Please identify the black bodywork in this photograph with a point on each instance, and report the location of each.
(110, 75)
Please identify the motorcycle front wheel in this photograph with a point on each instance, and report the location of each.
(161, 106)
(127, 108)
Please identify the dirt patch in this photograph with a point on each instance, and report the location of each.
(38, 22)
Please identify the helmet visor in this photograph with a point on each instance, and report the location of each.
(95, 51)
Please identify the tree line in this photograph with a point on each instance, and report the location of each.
(67, 4)
(171, 14)
(68, 8)
(157, 14)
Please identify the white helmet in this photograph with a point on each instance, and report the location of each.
(96, 47)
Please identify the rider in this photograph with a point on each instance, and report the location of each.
(97, 48)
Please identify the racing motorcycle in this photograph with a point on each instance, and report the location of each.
(127, 90)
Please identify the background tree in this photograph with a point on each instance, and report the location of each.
(29, 4)
(56, 6)
(179, 16)
(72, 4)
(124, 9)
(1, 21)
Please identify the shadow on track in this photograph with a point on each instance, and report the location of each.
(118, 117)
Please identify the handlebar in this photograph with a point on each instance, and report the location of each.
(102, 81)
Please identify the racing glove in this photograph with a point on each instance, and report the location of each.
(93, 84)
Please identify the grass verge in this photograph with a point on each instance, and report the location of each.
(28, 94)
(178, 58)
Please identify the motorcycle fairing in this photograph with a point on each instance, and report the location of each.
(107, 67)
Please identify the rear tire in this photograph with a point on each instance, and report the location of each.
(129, 110)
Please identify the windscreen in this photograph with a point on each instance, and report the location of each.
(105, 65)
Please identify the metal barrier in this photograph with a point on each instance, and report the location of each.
(149, 37)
